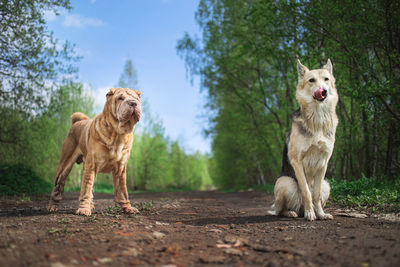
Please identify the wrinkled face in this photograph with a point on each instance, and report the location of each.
(124, 104)
(316, 86)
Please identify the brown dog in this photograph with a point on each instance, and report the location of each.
(104, 145)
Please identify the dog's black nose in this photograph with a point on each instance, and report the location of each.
(132, 104)
(324, 92)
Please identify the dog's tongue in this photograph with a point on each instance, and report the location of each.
(318, 94)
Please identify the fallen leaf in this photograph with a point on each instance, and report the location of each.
(105, 260)
(352, 214)
(121, 233)
(223, 245)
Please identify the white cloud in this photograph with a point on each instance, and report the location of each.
(49, 15)
(78, 21)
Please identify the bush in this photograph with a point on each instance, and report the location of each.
(374, 193)
(20, 179)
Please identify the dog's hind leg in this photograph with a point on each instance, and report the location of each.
(86, 196)
(69, 156)
(287, 197)
(326, 189)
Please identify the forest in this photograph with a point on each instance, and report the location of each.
(246, 61)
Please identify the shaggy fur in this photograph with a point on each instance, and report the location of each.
(104, 145)
(301, 190)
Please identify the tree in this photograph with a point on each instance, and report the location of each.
(128, 78)
(37, 141)
(30, 62)
(246, 60)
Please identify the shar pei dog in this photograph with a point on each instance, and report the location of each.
(104, 145)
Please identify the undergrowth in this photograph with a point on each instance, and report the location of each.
(375, 194)
(21, 180)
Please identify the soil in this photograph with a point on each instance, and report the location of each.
(190, 229)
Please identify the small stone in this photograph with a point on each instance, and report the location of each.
(130, 252)
(161, 223)
(158, 234)
(230, 239)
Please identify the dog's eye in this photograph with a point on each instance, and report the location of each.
(120, 98)
(311, 80)
(326, 79)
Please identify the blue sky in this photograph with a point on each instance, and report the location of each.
(106, 33)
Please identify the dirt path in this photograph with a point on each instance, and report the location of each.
(186, 229)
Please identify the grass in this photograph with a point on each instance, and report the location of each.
(375, 194)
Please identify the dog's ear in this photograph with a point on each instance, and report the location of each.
(328, 66)
(111, 92)
(301, 69)
(137, 92)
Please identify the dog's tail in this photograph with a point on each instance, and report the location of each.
(78, 116)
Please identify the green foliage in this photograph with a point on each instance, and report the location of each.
(246, 58)
(377, 194)
(36, 92)
(19, 179)
(156, 162)
(31, 60)
(38, 140)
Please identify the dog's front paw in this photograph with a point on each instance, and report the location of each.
(309, 215)
(325, 216)
(130, 210)
(52, 208)
(84, 211)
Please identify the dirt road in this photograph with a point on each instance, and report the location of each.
(189, 229)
